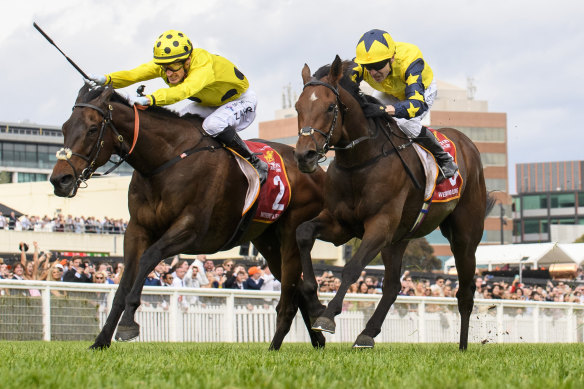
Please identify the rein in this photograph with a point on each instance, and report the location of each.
(309, 131)
(65, 153)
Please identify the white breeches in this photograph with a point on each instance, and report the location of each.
(411, 127)
(238, 114)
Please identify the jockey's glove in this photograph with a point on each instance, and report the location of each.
(98, 80)
(372, 110)
(142, 100)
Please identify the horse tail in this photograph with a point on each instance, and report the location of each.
(491, 201)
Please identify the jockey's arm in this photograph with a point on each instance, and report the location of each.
(196, 80)
(414, 104)
(125, 78)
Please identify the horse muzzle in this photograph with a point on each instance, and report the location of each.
(307, 161)
(65, 185)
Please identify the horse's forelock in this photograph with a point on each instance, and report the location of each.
(345, 82)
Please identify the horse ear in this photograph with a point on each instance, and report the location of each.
(336, 71)
(106, 94)
(306, 73)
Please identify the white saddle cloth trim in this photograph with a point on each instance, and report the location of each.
(253, 181)
(430, 168)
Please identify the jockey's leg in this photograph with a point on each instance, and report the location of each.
(445, 161)
(226, 120)
(230, 138)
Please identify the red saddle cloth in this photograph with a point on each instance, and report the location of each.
(275, 193)
(448, 189)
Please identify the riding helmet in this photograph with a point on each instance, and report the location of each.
(374, 46)
(172, 46)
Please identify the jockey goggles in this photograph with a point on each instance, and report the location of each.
(173, 67)
(377, 66)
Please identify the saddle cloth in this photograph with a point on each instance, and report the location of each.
(448, 189)
(274, 196)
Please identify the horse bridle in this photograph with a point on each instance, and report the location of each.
(309, 131)
(65, 153)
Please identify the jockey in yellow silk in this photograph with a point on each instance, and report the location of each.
(406, 87)
(218, 90)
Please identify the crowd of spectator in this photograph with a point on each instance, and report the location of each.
(205, 273)
(200, 273)
(60, 223)
(487, 288)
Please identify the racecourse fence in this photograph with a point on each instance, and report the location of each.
(38, 310)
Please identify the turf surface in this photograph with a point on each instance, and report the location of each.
(189, 365)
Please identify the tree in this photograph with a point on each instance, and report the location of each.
(419, 256)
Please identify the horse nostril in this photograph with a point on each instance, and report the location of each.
(62, 181)
(311, 154)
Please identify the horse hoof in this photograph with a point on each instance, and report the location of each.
(99, 346)
(318, 341)
(364, 341)
(324, 324)
(126, 333)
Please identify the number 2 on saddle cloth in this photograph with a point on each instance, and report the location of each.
(274, 195)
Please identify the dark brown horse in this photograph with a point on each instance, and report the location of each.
(191, 205)
(369, 195)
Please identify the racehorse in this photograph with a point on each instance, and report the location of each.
(181, 201)
(369, 194)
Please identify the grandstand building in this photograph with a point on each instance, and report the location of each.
(549, 194)
(454, 107)
(27, 152)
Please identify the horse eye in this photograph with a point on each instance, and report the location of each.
(331, 108)
(92, 130)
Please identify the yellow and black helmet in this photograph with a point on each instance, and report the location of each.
(374, 46)
(172, 46)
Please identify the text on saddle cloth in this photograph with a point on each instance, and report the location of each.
(448, 189)
(274, 195)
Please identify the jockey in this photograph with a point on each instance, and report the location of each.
(218, 91)
(407, 87)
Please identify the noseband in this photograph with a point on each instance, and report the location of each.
(309, 131)
(65, 153)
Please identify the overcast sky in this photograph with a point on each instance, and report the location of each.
(526, 57)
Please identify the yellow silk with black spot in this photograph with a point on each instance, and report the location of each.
(212, 81)
(407, 81)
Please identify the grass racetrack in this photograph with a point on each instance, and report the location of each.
(220, 365)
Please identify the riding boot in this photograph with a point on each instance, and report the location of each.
(230, 138)
(445, 161)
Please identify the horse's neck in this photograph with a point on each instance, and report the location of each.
(159, 139)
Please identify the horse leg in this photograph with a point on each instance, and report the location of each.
(374, 239)
(290, 298)
(133, 249)
(392, 259)
(464, 238)
(174, 240)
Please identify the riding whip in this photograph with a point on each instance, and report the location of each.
(53, 43)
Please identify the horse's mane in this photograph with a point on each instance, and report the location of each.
(346, 82)
(87, 94)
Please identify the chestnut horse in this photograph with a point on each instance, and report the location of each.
(370, 194)
(182, 204)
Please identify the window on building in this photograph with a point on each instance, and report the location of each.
(484, 134)
(535, 226)
(581, 199)
(538, 201)
(32, 177)
(517, 228)
(562, 200)
(494, 159)
(496, 184)
(516, 204)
